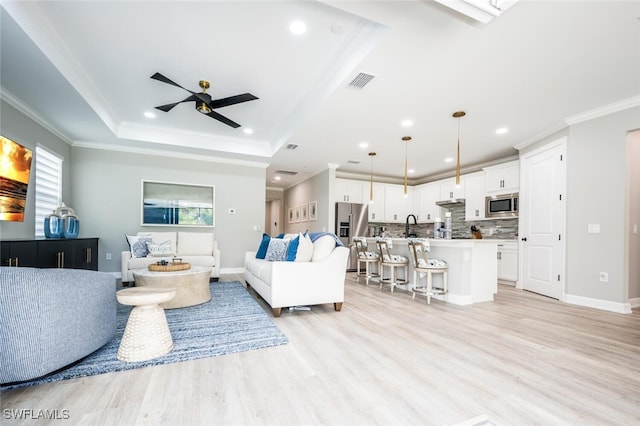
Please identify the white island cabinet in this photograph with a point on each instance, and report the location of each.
(473, 267)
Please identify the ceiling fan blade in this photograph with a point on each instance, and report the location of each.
(162, 78)
(223, 119)
(169, 107)
(232, 100)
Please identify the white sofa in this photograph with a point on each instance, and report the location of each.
(300, 283)
(196, 248)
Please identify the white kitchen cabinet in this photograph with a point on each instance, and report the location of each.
(425, 198)
(396, 205)
(504, 178)
(508, 262)
(376, 208)
(351, 191)
(474, 196)
(448, 189)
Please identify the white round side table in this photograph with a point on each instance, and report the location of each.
(147, 334)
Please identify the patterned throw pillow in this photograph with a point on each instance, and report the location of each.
(277, 250)
(138, 245)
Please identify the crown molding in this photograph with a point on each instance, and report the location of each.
(172, 154)
(530, 141)
(603, 110)
(18, 104)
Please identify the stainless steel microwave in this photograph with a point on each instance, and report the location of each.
(504, 206)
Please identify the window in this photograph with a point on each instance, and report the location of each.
(48, 186)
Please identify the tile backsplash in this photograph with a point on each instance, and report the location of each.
(506, 229)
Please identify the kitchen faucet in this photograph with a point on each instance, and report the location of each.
(406, 226)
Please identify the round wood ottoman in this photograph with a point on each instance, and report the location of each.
(192, 285)
(147, 334)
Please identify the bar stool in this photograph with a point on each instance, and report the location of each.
(391, 261)
(369, 259)
(423, 265)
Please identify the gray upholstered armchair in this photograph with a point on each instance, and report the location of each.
(50, 318)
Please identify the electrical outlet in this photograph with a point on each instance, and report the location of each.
(107, 256)
(604, 277)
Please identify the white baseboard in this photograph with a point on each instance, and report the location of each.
(457, 299)
(635, 302)
(605, 305)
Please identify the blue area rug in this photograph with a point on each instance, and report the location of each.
(232, 321)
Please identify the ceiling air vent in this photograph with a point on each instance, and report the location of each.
(353, 161)
(286, 172)
(360, 81)
(291, 146)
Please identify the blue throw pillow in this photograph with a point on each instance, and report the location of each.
(264, 245)
(292, 249)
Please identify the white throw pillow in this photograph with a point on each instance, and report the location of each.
(161, 237)
(277, 250)
(323, 247)
(160, 250)
(305, 248)
(195, 244)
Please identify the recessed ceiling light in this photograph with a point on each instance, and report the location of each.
(407, 123)
(277, 178)
(501, 130)
(411, 171)
(298, 27)
(248, 131)
(149, 114)
(448, 160)
(363, 145)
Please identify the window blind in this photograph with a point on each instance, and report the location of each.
(48, 186)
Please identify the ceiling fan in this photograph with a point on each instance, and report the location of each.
(203, 101)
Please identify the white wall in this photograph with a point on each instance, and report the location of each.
(633, 192)
(21, 129)
(316, 188)
(596, 194)
(106, 193)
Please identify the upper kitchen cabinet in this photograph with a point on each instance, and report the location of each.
(376, 207)
(350, 191)
(448, 189)
(474, 196)
(503, 178)
(397, 206)
(424, 202)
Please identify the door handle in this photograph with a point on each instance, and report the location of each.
(524, 239)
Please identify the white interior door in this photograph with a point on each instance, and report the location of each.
(542, 209)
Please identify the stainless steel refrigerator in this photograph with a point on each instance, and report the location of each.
(351, 221)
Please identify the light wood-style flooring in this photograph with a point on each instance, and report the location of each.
(387, 360)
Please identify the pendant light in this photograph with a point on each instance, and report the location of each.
(371, 155)
(406, 140)
(458, 115)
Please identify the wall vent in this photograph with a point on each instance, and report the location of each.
(291, 146)
(360, 81)
(286, 172)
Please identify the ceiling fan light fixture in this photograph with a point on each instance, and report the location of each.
(203, 108)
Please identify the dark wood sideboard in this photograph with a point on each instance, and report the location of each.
(76, 253)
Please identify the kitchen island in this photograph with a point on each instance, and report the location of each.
(473, 267)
